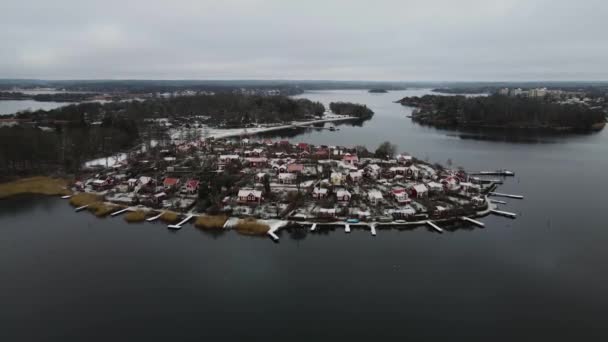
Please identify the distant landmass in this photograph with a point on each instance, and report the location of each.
(378, 90)
(499, 111)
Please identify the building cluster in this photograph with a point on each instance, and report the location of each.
(279, 179)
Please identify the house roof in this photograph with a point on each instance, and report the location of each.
(246, 193)
(295, 167)
(170, 181)
(420, 188)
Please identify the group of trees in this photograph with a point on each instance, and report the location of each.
(56, 97)
(65, 146)
(351, 109)
(502, 111)
(223, 109)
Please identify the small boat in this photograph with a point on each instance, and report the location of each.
(352, 221)
(332, 128)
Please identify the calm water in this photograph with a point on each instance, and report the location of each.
(14, 106)
(539, 277)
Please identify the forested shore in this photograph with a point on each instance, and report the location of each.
(504, 112)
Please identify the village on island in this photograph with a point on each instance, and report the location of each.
(256, 185)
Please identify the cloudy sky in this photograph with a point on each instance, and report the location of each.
(428, 40)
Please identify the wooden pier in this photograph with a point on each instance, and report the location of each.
(179, 225)
(372, 228)
(346, 228)
(503, 213)
(66, 197)
(154, 218)
(434, 226)
(497, 201)
(81, 208)
(116, 213)
(273, 236)
(506, 195)
(475, 222)
(313, 227)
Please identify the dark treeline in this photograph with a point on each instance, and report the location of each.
(504, 112)
(222, 109)
(351, 109)
(62, 146)
(57, 97)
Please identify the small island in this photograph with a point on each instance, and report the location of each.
(508, 112)
(378, 90)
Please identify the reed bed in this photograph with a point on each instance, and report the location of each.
(135, 216)
(35, 186)
(251, 227)
(211, 221)
(169, 217)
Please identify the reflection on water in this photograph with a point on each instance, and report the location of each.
(73, 275)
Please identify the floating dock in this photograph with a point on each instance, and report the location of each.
(179, 225)
(81, 208)
(475, 222)
(346, 228)
(495, 173)
(116, 213)
(434, 226)
(273, 236)
(154, 218)
(499, 194)
(503, 213)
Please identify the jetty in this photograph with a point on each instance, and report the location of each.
(66, 197)
(495, 173)
(499, 194)
(81, 208)
(313, 227)
(503, 213)
(346, 228)
(497, 201)
(372, 228)
(154, 218)
(273, 236)
(434, 226)
(179, 225)
(475, 222)
(116, 213)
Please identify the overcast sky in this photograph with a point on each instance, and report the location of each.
(429, 40)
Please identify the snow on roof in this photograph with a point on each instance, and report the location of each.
(342, 193)
(247, 192)
(420, 188)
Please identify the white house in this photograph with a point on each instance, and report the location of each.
(343, 195)
(319, 193)
(374, 196)
(287, 178)
(249, 196)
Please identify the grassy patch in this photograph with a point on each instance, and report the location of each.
(101, 209)
(251, 227)
(135, 216)
(35, 185)
(211, 222)
(169, 217)
(84, 198)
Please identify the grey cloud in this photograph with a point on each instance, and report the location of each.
(347, 40)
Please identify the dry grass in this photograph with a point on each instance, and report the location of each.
(251, 227)
(35, 185)
(135, 216)
(84, 198)
(169, 217)
(101, 209)
(211, 222)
